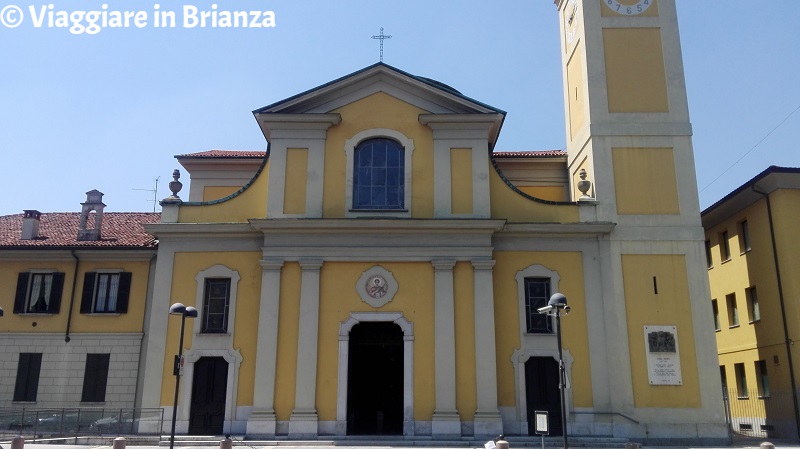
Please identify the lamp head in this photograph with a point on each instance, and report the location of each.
(558, 301)
(177, 309)
(190, 312)
(1, 311)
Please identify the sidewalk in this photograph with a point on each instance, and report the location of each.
(288, 444)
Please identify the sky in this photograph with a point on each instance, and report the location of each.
(110, 110)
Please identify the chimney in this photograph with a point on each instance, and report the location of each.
(94, 203)
(30, 224)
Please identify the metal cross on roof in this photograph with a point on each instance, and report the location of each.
(381, 37)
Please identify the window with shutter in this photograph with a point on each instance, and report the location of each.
(39, 292)
(105, 292)
(27, 384)
(95, 378)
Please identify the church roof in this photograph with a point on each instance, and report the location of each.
(119, 230)
(454, 99)
(224, 154)
(528, 154)
(239, 154)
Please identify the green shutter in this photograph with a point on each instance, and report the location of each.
(55, 293)
(88, 292)
(124, 292)
(22, 291)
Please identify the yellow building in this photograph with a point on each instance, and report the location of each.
(751, 255)
(74, 288)
(378, 271)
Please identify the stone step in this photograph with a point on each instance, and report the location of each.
(394, 441)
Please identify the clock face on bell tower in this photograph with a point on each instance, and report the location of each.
(633, 9)
(571, 20)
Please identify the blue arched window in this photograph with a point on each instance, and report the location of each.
(379, 175)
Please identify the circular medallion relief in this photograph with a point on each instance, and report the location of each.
(376, 286)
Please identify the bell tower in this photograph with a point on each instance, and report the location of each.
(625, 105)
(628, 130)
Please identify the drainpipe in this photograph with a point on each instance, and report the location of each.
(72, 297)
(787, 340)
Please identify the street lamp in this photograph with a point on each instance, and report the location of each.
(554, 307)
(1, 311)
(184, 312)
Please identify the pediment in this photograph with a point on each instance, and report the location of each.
(424, 93)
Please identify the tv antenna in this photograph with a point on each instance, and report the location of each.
(155, 192)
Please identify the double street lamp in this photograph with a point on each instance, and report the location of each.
(184, 312)
(555, 307)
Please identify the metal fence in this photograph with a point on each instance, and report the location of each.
(755, 415)
(60, 422)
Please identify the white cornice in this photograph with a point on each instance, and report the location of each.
(296, 125)
(194, 230)
(65, 255)
(37, 336)
(377, 226)
(452, 121)
(377, 239)
(486, 126)
(588, 230)
(138, 256)
(379, 253)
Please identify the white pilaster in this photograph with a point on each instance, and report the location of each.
(487, 416)
(156, 333)
(445, 421)
(473, 132)
(286, 131)
(262, 418)
(303, 422)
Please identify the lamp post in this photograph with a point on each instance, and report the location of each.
(554, 307)
(184, 312)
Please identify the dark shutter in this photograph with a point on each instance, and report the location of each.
(22, 291)
(88, 292)
(28, 369)
(124, 292)
(95, 378)
(55, 293)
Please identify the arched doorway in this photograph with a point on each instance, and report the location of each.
(375, 379)
(209, 389)
(542, 392)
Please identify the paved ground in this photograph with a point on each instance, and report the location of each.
(289, 446)
(297, 445)
(107, 443)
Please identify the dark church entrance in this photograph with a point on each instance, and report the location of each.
(375, 379)
(542, 393)
(209, 388)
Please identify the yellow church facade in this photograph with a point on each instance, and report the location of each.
(379, 269)
(380, 273)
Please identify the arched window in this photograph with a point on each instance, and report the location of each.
(379, 175)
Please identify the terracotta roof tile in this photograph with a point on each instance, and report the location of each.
(60, 229)
(224, 154)
(522, 154)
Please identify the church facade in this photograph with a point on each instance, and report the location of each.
(378, 271)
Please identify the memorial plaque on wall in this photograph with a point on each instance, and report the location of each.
(663, 357)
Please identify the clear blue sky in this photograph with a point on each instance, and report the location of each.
(109, 111)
